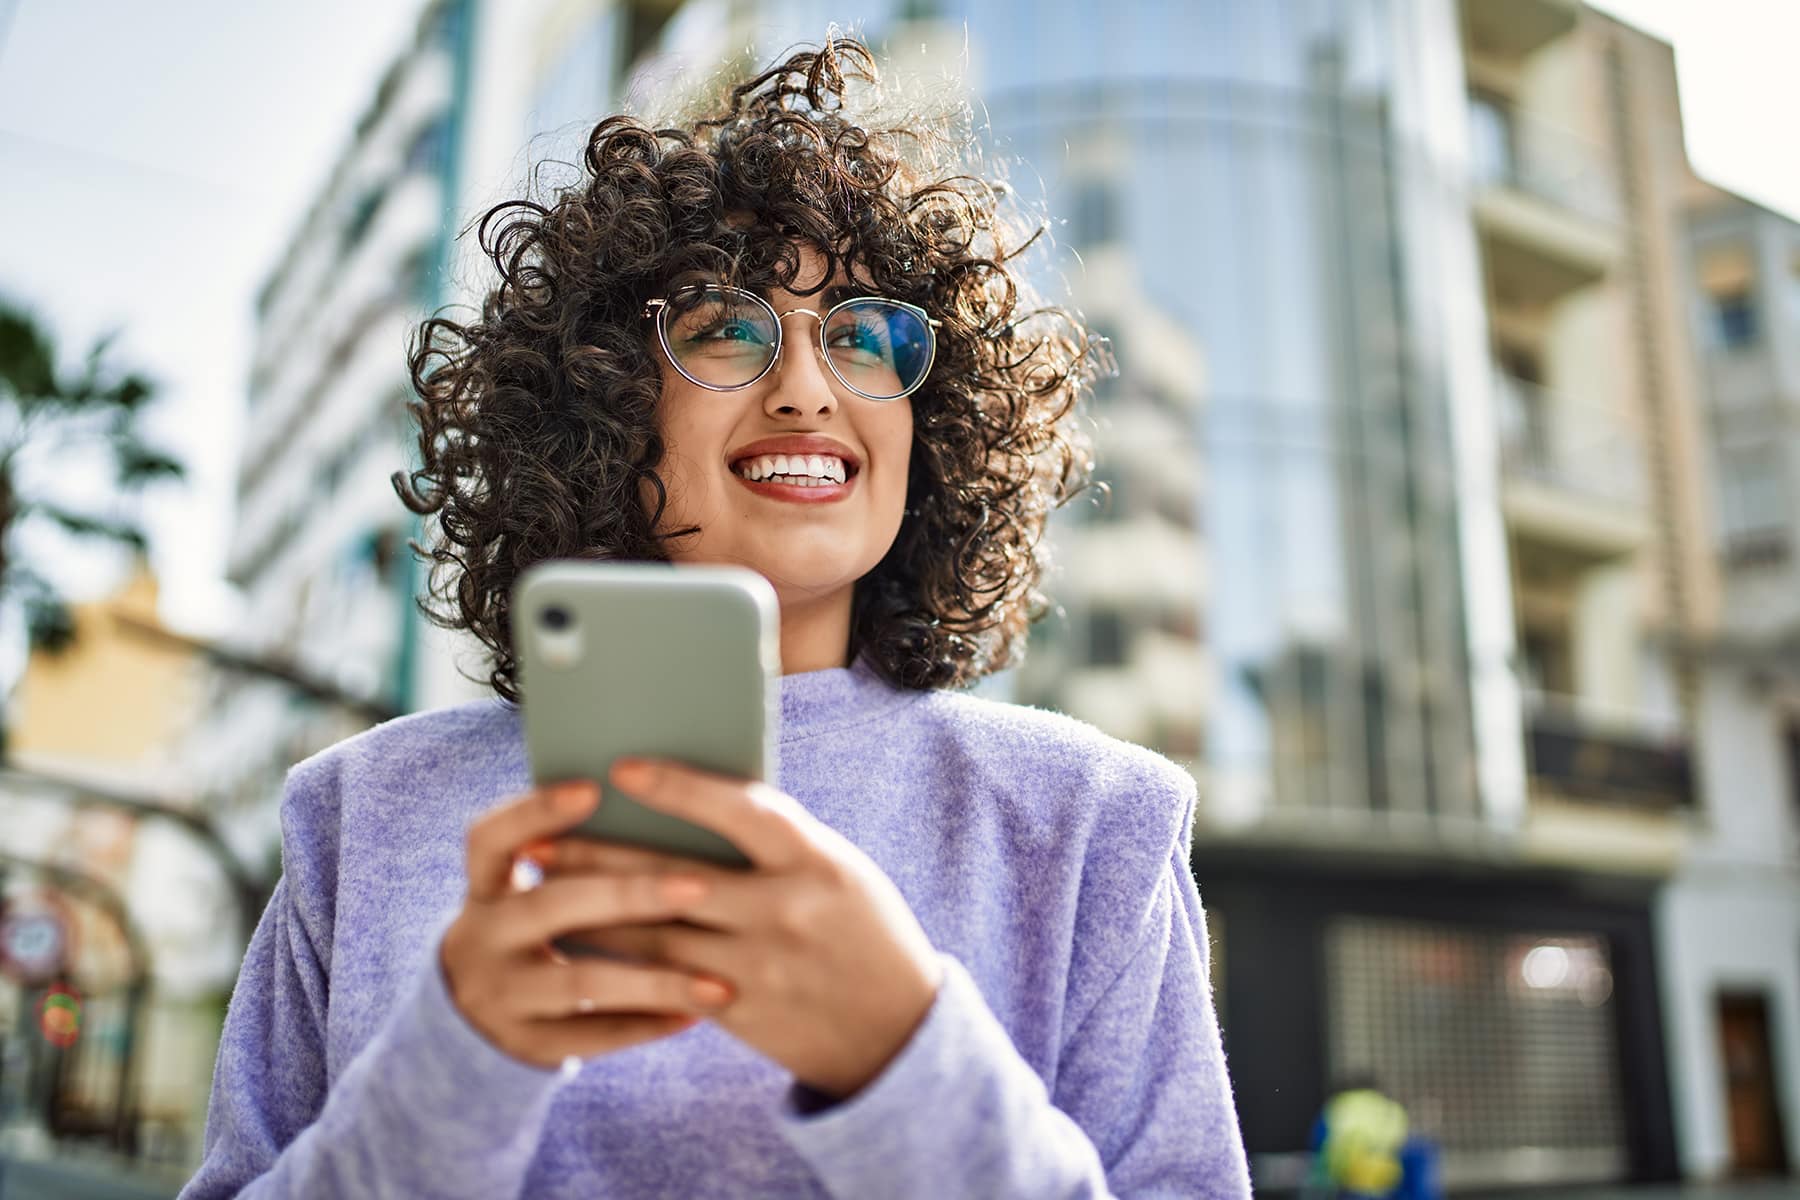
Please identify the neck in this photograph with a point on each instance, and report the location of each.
(815, 632)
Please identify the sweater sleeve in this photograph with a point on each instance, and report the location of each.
(428, 1107)
(1141, 1104)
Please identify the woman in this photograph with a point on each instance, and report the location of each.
(969, 959)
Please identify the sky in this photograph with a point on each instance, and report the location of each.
(155, 157)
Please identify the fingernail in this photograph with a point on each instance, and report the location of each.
(574, 797)
(710, 991)
(633, 774)
(683, 890)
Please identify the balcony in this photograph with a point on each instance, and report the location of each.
(1545, 205)
(1578, 753)
(1571, 479)
(1511, 29)
(1607, 790)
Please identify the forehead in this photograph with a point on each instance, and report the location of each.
(811, 268)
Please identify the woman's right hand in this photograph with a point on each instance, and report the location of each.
(523, 997)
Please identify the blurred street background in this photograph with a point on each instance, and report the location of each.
(1453, 540)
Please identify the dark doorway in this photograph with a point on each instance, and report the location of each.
(1748, 1055)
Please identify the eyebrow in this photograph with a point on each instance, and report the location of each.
(843, 291)
(837, 293)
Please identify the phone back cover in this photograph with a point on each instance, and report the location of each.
(674, 662)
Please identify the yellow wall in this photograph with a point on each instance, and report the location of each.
(115, 695)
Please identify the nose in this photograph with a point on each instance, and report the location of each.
(803, 383)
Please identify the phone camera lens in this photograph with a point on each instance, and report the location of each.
(556, 618)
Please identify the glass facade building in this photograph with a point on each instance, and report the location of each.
(1271, 189)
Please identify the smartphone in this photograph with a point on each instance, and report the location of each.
(647, 660)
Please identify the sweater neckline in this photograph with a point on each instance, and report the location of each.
(816, 702)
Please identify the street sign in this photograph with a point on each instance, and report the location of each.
(32, 944)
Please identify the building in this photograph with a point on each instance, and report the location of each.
(1450, 509)
(103, 836)
(319, 548)
(1730, 921)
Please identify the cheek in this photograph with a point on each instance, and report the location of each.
(689, 441)
(896, 449)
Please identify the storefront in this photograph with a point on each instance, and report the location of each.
(1513, 1012)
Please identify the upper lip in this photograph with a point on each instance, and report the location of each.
(797, 443)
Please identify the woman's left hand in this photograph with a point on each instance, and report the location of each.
(830, 970)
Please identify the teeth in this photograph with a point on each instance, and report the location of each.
(806, 470)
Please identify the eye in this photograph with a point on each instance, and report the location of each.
(730, 331)
(863, 334)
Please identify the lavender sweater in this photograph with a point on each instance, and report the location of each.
(1072, 1050)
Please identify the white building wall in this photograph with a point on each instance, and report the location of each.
(1730, 921)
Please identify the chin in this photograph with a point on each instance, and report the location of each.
(795, 584)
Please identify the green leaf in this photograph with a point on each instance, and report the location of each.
(131, 392)
(139, 464)
(85, 525)
(27, 359)
(50, 623)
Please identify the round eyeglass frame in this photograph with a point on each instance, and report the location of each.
(652, 307)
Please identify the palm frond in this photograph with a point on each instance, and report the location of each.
(27, 356)
(86, 524)
(140, 464)
(49, 623)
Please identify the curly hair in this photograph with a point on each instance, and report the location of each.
(537, 423)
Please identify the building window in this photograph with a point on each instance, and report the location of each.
(1094, 213)
(1726, 272)
(1544, 661)
(1107, 638)
(444, 25)
(426, 154)
(1490, 140)
(362, 215)
(1791, 736)
(418, 275)
(644, 22)
(1754, 507)
(1734, 319)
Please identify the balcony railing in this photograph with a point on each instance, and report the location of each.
(1546, 438)
(1609, 760)
(1556, 165)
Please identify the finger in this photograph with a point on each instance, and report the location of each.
(496, 836)
(760, 820)
(730, 900)
(673, 944)
(596, 985)
(524, 920)
(589, 854)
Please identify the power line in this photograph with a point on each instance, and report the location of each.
(114, 162)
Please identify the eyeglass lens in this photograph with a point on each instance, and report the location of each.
(726, 339)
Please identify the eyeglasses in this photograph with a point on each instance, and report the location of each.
(725, 338)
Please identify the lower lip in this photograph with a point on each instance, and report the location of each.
(797, 493)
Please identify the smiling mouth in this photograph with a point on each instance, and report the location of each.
(796, 470)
